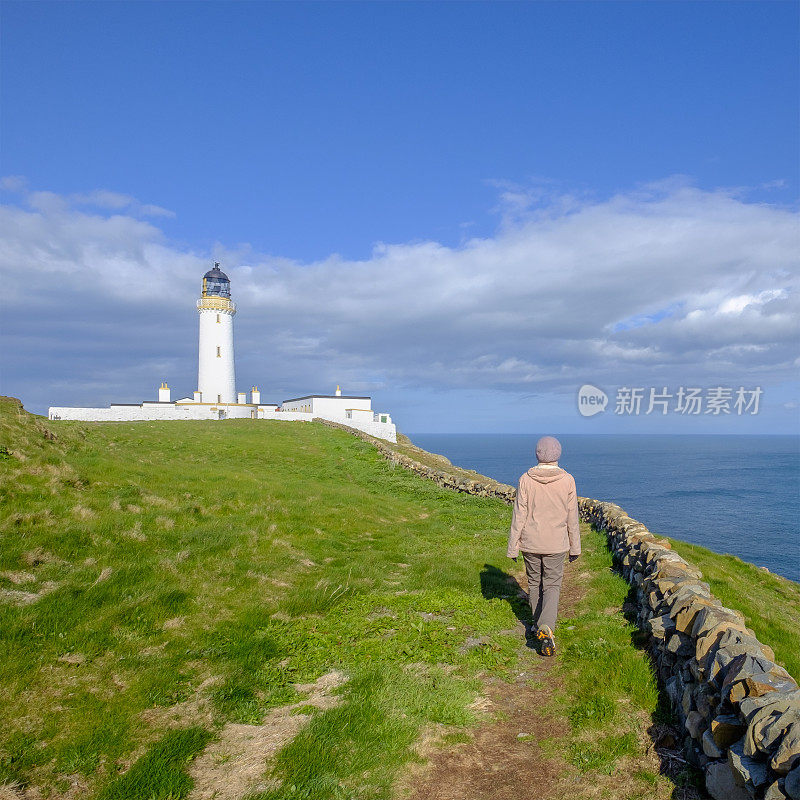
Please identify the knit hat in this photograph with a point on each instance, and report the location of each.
(548, 449)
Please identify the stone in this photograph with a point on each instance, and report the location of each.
(731, 644)
(694, 754)
(781, 701)
(758, 685)
(775, 792)
(712, 616)
(669, 565)
(674, 690)
(710, 640)
(720, 783)
(681, 645)
(651, 551)
(695, 724)
(726, 729)
(744, 665)
(685, 594)
(792, 784)
(747, 771)
(687, 700)
(768, 727)
(710, 747)
(787, 756)
(706, 700)
(685, 617)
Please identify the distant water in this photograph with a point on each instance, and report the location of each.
(731, 494)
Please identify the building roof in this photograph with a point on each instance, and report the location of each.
(327, 396)
(217, 273)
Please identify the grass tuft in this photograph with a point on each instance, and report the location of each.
(160, 773)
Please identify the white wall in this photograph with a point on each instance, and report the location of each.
(134, 413)
(361, 422)
(285, 416)
(380, 430)
(359, 414)
(328, 406)
(190, 411)
(336, 406)
(216, 377)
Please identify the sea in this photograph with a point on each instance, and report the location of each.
(732, 494)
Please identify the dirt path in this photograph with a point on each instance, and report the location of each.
(503, 761)
(233, 765)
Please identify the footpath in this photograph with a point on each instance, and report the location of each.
(736, 713)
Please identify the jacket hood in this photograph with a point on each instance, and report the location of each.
(547, 474)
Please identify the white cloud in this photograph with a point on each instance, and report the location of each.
(13, 183)
(98, 199)
(664, 284)
(103, 199)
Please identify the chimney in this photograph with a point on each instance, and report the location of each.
(163, 393)
(338, 391)
(255, 396)
(198, 397)
(241, 398)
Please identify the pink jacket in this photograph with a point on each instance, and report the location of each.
(545, 514)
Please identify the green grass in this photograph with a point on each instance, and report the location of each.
(159, 774)
(241, 558)
(187, 575)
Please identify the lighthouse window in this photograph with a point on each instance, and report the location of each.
(218, 319)
(219, 355)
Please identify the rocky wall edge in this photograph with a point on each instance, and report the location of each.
(739, 710)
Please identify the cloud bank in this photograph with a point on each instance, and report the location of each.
(665, 284)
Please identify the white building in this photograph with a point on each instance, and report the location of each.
(216, 397)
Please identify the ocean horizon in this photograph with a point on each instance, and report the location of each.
(732, 493)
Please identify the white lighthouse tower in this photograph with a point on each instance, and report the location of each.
(216, 377)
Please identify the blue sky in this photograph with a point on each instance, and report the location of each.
(432, 202)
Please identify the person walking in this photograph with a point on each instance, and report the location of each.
(544, 528)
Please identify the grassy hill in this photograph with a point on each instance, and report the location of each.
(167, 587)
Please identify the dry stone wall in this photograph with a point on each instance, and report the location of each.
(740, 711)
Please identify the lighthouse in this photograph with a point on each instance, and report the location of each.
(216, 397)
(216, 377)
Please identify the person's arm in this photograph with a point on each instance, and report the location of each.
(573, 528)
(517, 521)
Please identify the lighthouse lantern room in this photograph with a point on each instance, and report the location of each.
(216, 377)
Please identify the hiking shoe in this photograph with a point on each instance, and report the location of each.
(546, 640)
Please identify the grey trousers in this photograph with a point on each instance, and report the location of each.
(545, 573)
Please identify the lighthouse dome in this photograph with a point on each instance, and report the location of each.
(216, 283)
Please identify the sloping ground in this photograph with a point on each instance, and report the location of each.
(163, 581)
(172, 594)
